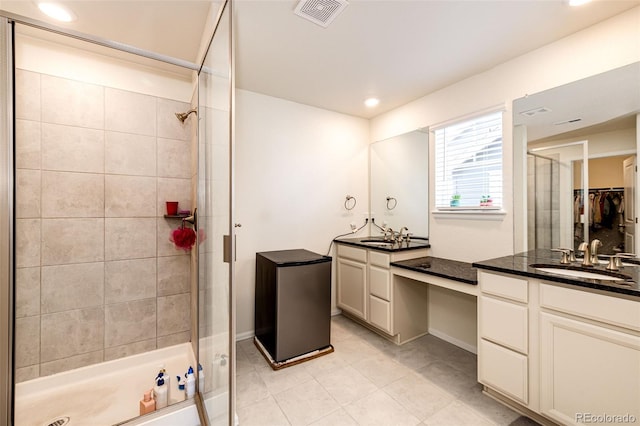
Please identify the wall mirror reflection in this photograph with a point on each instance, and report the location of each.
(579, 150)
(399, 172)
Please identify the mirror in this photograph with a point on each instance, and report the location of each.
(578, 149)
(398, 181)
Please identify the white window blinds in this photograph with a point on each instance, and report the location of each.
(468, 163)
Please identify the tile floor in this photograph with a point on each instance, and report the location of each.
(368, 381)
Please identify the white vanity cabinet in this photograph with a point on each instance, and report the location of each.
(365, 285)
(352, 280)
(589, 356)
(503, 335)
(564, 353)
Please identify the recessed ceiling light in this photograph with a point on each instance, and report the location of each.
(578, 2)
(371, 102)
(57, 11)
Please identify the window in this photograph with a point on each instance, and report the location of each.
(468, 162)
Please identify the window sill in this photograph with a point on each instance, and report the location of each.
(470, 213)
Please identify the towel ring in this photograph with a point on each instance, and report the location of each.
(347, 202)
(389, 201)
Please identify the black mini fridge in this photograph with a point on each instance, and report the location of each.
(292, 302)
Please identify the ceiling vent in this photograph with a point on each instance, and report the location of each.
(321, 12)
(573, 120)
(535, 111)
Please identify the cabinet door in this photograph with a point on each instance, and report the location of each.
(586, 371)
(352, 287)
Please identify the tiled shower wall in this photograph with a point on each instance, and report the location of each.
(97, 277)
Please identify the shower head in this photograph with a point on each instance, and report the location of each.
(183, 115)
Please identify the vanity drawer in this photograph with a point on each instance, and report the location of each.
(353, 253)
(507, 287)
(380, 282)
(380, 313)
(379, 259)
(504, 323)
(504, 370)
(595, 306)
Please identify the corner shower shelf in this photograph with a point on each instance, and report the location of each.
(176, 216)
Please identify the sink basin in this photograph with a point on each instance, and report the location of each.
(577, 272)
(374, 242)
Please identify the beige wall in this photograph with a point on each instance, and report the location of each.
(606, 172)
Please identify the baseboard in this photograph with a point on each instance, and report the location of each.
(246, 335)
(457, 342)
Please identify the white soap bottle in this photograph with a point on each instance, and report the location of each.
(190, 383)
(161, 392)
(181, 391)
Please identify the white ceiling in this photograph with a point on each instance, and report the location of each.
(397, 50)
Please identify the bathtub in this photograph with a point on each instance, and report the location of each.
(107, 393)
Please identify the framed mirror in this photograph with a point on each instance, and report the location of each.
(399, 183)
(577, 145)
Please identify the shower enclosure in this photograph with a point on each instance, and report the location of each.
(543, 214)
(91, 287)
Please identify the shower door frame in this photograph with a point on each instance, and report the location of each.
(7, 193)
(6, 221)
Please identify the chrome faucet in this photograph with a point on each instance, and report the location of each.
(594, 251)
(389, 235)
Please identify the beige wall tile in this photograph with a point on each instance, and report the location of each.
(130, 238)
(66, 194)
(72, 103)
(70, 333)
(174, 339)
(28, 193)
(130, 196)
(27, 95)
(27, 373)
(168, 124)
(127, 280)
(130, 112)
(129, 154)
(174, 190)
(130, 322)
(67, 287)
(27, 341)
(174, 274)
(174, 158)
(65, 364)
(72, 241)
(28, 143)
(72, 149)
(27, 242)
(27, 292)
(174, 314)
(130, 349)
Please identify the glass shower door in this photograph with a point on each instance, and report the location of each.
(215, 211)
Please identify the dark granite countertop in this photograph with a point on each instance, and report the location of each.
(445, 268)
(519, 264)
(378, 243)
